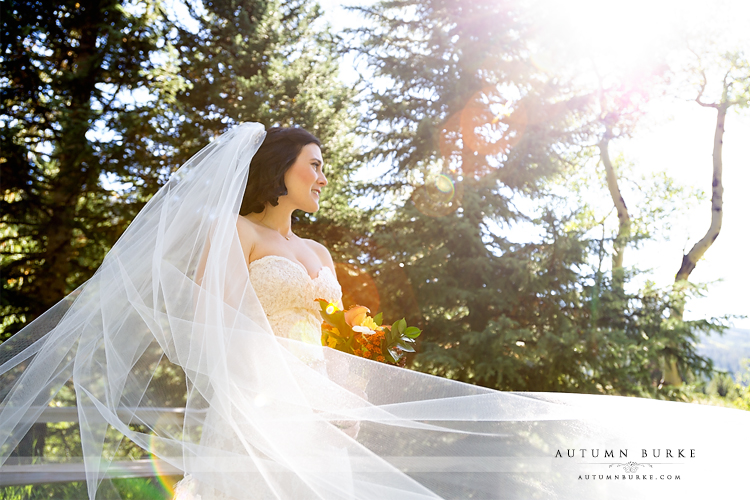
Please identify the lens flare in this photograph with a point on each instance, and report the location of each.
(445, 185)
(437, 196)
(491, 124)
(163, 476)
(544, 61)
(357, 286)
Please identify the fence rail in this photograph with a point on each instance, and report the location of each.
(25, 470)
(25, 474)
(149, 416)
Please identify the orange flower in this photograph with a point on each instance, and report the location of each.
(356, 315)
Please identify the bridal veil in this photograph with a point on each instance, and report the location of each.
(262, 414)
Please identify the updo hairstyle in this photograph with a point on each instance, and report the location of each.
(265, 180)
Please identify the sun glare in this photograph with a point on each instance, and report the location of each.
(618, 36)
(612, 35)
(619, 31)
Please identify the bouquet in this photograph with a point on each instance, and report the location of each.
(354, 332)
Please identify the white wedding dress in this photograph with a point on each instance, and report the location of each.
(262, 405)
(287, 294)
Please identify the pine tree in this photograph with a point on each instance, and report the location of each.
(69, 71)
(459, 111)
(101, 104)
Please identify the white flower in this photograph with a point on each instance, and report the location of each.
(363, 330)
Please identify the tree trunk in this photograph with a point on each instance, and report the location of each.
(689, 261)
(623, 231)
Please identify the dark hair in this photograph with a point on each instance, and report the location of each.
(265, 180)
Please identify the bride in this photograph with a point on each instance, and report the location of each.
(210, 283)
(286, 174)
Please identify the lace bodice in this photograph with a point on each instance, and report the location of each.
(287, 294)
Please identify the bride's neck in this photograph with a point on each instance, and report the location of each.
(278, 218)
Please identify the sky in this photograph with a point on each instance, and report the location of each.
(674, 136)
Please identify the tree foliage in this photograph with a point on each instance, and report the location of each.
(474, 130)
(103, 100)
(69, 73)
(272, 62)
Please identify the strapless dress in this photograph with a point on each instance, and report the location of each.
(287, 294)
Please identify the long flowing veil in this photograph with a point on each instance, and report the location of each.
(170, 319)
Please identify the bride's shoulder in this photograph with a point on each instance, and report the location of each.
(246, 229)
(245, 226)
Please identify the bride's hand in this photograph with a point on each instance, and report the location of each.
(352, 430)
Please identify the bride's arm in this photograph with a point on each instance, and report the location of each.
(201, 269)
(247, 237)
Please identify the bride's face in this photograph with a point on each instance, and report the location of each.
(305, 179)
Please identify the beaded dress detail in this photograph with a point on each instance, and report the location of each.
(287, 294)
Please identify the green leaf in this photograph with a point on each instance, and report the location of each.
(400, 326)
(412, 332)
(390, 335)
